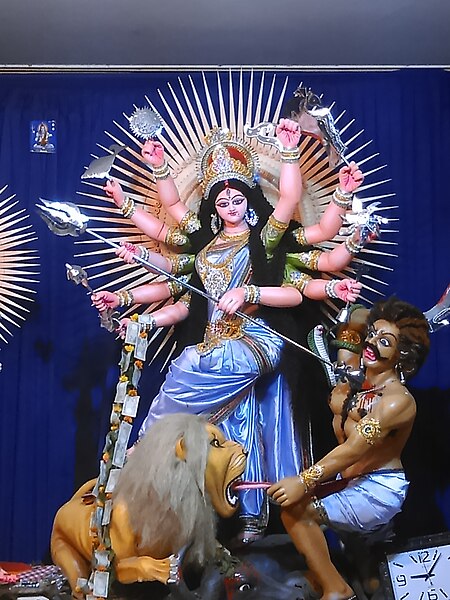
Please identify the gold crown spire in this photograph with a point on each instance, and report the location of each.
(223, 157)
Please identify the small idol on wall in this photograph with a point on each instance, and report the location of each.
(43, 136)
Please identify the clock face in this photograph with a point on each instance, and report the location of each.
(421, 574)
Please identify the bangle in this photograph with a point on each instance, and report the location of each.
(128, 207)
(342, 199)
(161, 172)
(300, 237)
(290, 155)
(330, 288)
(351, 246)
(125, 297)
(252, 294)
(310, 477)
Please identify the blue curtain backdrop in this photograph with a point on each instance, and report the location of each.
(60, 369)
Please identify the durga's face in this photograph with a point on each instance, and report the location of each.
(231, 205)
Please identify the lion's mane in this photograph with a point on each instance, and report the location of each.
(165, 496)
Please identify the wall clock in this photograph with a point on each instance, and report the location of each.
(419, 569)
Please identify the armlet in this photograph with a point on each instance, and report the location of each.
(181, 263)
(175, 237)
(189, 223)
(271, 234)
(305, 260)
(369, 429)
(295, 278)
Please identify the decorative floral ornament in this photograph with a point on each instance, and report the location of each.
(223, 158)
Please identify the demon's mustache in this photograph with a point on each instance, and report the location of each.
(374, 349)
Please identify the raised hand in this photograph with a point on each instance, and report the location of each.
(104, 300)
(114, 190)
(348, 289)
(350, 177)
(153, 153)
(288, 133)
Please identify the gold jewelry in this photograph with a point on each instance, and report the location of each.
(300, 237)
(347, 339)
(128, 207)
(298, 280)
(161, 172)
(276, 224)
(351, 246)
(190, 222)
(342, 199)
(369, 429)
(222, 329)
(310, 477)
(216, 277)
(252, 294)
(223, 158)
(175, 237)
(176, 287)
(234, 237)
(181, 263)
(290, 155)
(125, 297)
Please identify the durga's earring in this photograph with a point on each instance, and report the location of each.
(400, 373)
(216, 223)
(251, 217)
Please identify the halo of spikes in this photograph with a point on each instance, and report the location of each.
(18, 264)
(189, 110)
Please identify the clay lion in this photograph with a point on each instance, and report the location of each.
(178, 476)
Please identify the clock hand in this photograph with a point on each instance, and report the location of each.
(430, 571)
(421, 576)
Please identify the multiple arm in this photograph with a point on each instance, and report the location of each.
(350, 178)
(290, 181)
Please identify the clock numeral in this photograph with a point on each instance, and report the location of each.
(424, 556)
(401, 580)
(432, 594)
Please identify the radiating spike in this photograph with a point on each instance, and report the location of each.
(199, 133)
(200, 108)
(248, 115)
(209, 103)
(345, 127)
(168, 357)
(187, 139)
(352, 139)
(266, 116)
(279, 106)
(367, 186)
(354, 152)
(223, 117)
(180, 141)
(240, 114)
(232, 118)
(162, 344)
(259, 101)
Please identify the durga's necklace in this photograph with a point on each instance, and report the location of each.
(216, 276)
